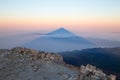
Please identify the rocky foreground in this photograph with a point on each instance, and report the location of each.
(27, 64)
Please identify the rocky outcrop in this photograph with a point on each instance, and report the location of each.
(27, 64)
(33, 55)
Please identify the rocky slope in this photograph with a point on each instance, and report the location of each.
(26, 64)
(107, 59)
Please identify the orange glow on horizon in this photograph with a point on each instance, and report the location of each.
(83, 24)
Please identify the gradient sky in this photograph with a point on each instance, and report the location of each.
(76, 15)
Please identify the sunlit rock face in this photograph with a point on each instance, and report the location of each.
(28, 64)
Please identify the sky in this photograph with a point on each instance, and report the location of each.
(96, 16)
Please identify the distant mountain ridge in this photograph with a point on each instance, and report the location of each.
(59, 40)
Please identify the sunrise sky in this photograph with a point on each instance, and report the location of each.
(76, 15)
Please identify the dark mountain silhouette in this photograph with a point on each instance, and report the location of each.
(61, 33)
(59, 40)
(108, 59)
